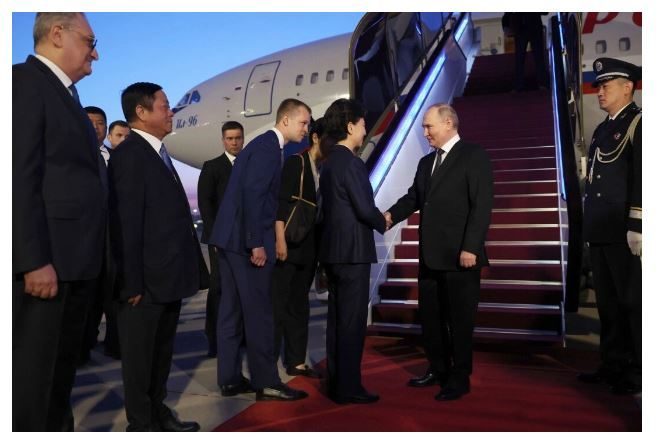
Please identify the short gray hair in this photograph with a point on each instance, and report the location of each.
(45, 20)
(446, 111)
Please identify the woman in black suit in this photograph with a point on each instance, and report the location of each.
(347, 248)
(297, 262)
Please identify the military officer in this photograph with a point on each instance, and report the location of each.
(613, 226)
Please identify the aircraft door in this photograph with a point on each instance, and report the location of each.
(259, 94)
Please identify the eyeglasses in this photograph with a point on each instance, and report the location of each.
(91, 41)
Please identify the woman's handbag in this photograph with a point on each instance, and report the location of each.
(302, 216)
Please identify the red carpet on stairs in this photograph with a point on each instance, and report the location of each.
(511, 391)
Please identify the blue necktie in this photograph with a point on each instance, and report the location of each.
(74, 93)
(167, 160)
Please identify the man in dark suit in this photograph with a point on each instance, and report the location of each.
(103, 301)
(117, 132)
(210, 189)
(58, 220)
(453, 189)
(527, 28)
(613, 226)
(158, 256)
(244, 233)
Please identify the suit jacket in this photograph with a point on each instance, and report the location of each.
(455, 206)
(151, 227)
(616, 189)
(350, 215)
(210, 190)
(58, 206)
(246, 215)
(305, 251)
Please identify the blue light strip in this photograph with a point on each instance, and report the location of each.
(562, 38)
(461, 28)
(383, 166)
(395, 144)
(557, 127)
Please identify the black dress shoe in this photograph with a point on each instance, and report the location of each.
(428, 379)
(305, 371)
(625, 387)
(280, 392)
(452, 393)
(599, 376)
(171, 423)
(362, 398)
(236, 388)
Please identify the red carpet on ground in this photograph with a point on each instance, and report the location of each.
(511, 391)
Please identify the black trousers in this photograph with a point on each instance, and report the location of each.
(536, 39)
(291, 309)
(447, 307)
(213, 297)
(146, 334)
(617, 278)
(46, 341)
(348, 299)
(104, 301)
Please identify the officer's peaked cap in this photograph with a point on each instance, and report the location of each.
(607, 68)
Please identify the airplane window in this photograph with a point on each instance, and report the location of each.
(237, 88)
(314, 77)
(345, 74)
(183, 101)
(330, 75)
(195, 97)
(625, 44)
(299, 79)
(600, 46)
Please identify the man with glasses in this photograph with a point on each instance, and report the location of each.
(58, 218)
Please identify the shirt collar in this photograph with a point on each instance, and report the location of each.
(57, 71)
(281, 137)
(230, 157)
(447, 147)
(152, 140)
(619, 111)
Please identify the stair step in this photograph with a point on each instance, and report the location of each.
(512, 216)
(543, 250)
(521, 292)
(523, 163)
(508, 175)
(495, 315)
(524, 187)
(504, 232)
(524, 272)
(504, 131)
(501, 143)
(480, 334)
(521, 152)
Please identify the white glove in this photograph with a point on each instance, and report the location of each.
(635, 241)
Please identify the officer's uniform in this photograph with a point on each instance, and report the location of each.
(612, 207)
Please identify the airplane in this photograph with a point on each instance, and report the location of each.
(318, 74)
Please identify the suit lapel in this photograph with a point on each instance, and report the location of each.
(441, 171)
(76, 110)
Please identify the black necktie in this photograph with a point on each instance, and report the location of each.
(167, 160)
(74, 93)
(439, 159)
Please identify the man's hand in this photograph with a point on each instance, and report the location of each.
(635, 241)
(134, 300)
(388, 218)
(258, 257)
(467, 260)
(281, 249)
(42, 282)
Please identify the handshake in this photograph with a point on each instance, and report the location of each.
(388, 217)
